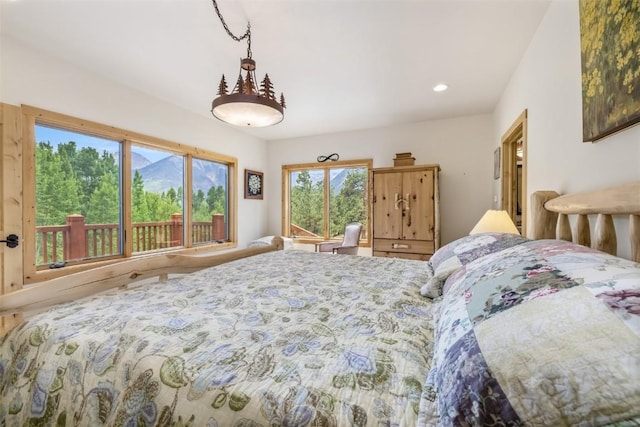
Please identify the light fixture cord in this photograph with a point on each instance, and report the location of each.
(246, 35)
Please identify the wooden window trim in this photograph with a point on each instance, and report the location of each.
(33, 115)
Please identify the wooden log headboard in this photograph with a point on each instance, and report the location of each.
(550, 216)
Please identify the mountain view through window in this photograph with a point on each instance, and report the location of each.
(79, 195)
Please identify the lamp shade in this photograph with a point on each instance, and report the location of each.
(495, 222)
(252, 110)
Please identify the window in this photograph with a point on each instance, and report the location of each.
(320, 199)
(78, 195)
(100, 193)
(157, 198)
(209, 201)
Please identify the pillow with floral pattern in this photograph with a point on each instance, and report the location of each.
(454, 255)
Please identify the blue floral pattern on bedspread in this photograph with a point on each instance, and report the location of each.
(545, 333)
(276, 339)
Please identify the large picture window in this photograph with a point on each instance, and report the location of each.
(320, 199)
(99, 193)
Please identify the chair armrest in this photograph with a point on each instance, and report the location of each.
(327, 246)
(346, 250)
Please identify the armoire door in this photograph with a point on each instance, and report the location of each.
(417, 191)
(387, 208)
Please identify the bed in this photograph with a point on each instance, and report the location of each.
(494, 330)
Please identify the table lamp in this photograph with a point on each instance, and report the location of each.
(495, 222)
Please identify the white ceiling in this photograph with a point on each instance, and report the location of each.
(342, 64)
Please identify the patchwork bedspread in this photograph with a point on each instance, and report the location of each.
(286, 338)
(544, 333)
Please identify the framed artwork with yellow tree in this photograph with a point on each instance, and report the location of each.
(610, 53)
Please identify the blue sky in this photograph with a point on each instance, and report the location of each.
(57, 136)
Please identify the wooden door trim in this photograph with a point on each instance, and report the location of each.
(11, 209)
(517, 131)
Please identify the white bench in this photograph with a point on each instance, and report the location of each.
(266, 241)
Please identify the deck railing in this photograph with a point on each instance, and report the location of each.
(77, 240)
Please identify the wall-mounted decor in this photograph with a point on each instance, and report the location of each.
(496, 163)
(610, 49)
(253, 184)
(334, 157)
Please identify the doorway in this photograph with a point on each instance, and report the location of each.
(514, 172)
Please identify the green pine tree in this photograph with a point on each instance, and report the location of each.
(307, 204)
(350, 204)
(104, 206)
(216, 200)
(56, 187)
(139, 206)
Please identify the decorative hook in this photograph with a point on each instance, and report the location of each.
(396, 201)
(333, 157)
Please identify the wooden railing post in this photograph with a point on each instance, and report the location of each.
(176, 229)
(217, 224)
(75, 243)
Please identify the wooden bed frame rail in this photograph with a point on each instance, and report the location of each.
(550, 212)
(85, 283)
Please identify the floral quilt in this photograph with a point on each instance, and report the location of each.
(285, 338)
(544, 333)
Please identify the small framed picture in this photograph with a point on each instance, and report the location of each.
(253, 184)
(496, 164)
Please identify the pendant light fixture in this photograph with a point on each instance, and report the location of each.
(247, 105)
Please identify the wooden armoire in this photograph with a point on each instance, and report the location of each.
(406, 211)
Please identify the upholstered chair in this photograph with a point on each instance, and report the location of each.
(349, 244)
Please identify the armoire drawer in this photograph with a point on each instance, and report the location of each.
(404, 246)
(387, 254)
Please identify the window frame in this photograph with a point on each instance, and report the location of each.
(326, 167)
(33, 115)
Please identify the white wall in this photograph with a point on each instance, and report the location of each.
(548, 84)
(462, 146)
(31, 78)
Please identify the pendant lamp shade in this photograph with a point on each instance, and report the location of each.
(241, 109)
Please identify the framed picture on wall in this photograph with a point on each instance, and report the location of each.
(496, 163)
(253, 184)
(610, 66)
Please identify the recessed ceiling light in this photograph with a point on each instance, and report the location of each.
(440, 88)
